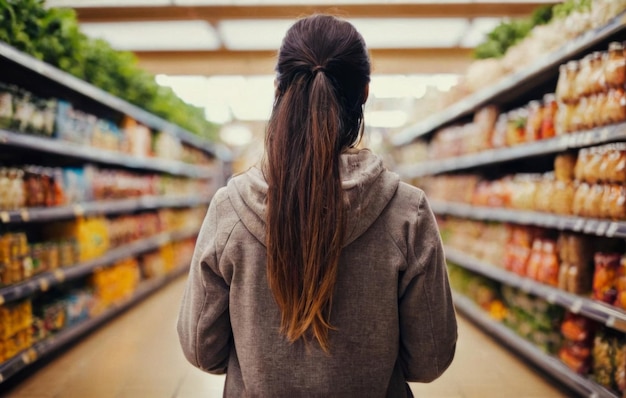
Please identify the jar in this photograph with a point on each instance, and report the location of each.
(578, 113)
(550, 109)
(615, 66)
(615, 106)
(618, 206)
(563, 84)
(573, 94)
(596, 79)
(534, 121)
(583, 78)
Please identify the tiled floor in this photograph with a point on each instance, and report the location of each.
(137, 356)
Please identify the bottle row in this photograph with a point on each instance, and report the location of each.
(589, 94)
(584, 346)
(26, 253)
(37, 186)
(35, 319)
(22, 111)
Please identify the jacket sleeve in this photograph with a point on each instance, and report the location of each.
(428, 328)
(203, 326)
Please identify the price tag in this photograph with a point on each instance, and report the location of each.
(602, 227)
(576, 306)
(612, 229)
(617, 324)
(551, 297)
(580, 223)
(604, 134)
(25, 215)
(588, 139)
(59, 275)
(5, 216)
(44, 285)
(79, 211)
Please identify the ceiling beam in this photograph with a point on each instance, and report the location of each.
(215, 13)
(207, 63)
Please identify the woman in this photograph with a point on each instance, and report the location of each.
(318, 273)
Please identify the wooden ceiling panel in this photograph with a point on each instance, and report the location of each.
(215, 13)
(411, 61)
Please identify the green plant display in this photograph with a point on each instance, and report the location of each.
(509, 33)
(53, 35)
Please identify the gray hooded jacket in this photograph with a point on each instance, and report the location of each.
(392, 307)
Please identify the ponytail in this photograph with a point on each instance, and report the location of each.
(310, 126)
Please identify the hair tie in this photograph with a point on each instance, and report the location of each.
(317, 68)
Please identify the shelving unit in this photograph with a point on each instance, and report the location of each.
(514, 85)
(551, 365)
(95, 155)
(610, 229)
(54, 343)
(511, 92)
(39, 214)
(606, 314)
(43, 79)
(555, 145)
(44, 281)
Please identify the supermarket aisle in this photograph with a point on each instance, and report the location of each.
(137, 355)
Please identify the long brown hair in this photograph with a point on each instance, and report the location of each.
(323, 71)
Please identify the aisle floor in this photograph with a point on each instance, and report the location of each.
(137, 355)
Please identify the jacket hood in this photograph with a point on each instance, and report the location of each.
(367, 185)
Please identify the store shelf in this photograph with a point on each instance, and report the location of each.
(550, 365)
(515, 84)
(585, 225)
(70, 335)
(559, 144)
(33, 65)
(91, 154)
(44, 281)
(603, 313)
(39, 214)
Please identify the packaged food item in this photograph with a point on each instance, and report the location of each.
(615, 66)
(605, 276)
(563, 84)
(563, 197)
(603, 368)
(549, 114)
(583, 77)
(580, 198)
(618, 202)
(548, 271)
(7, 94)
(534, 121)
(516, 127)
(564, 166)
(74, 125)
(614, 109)
(534, 260)
(578, 333)
(596, 79)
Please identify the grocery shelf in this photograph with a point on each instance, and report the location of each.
(515, 84)
(558, 144)
(601, 312)
(91, 154)
(44, 281)
(38, 214)
(585, 225)
(68, 336)
(550, 365)
(74, 84)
